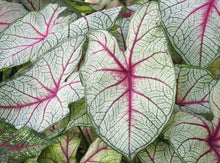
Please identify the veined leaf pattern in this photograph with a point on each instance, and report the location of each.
(40, 96)
(193, 28)
(130, 95)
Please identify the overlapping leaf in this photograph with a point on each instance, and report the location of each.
(20, 144)
(195, 139)
(193, 28)
(40, 96)
(99, 20)
(78, 115)
(63, 150)
(121, 33)
(38, 32)
(193, 88)
(9, 12)
(159, 152)
(100, 152)
(34, 4)
(130, 95)
(24, 38)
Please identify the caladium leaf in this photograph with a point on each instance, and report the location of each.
(194, 85)
(40, 96)
(21, 144)
(63, 150)
(100, 152)
(47, 31)
(24, 38)
(195, 31)
(99, 20)
(9, 12)
(158, 152)
(121, 33)
(130, 95)
(78, 115)
(34, 4)
(193, 138)
(215, 106)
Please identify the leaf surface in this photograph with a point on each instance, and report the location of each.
(63, 150)
(194, 138)
(3, 155)
(9, 12)
(100, 152)
(193, 88)
(158, 152)
(21, 144)
(34, 4)
(104, 19)
(121, 33)
(193, 28)
(78, 115)
(40, 96)
(24, 38)
(130, 95)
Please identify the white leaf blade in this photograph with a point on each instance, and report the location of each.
(24, 38)
(40, 97)
(121, 93)
(193, 88)
(9, 12)
(195, 31)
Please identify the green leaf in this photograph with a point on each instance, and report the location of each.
(130, 94)
(9, 12)
(78, 115)
(63, 150)
(21, 144)
(100, 152)
(3, 155)
(194, 85)
(39, 97)
(158, 152)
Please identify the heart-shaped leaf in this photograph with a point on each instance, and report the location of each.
(9, 12)
(100, 152)
(21, 144)
(130, 95)
(40, 97)
(24, 38)
(63, 150)
(193, 28)
(194, 85)
(159, 152)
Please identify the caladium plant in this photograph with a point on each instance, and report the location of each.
(108, 86)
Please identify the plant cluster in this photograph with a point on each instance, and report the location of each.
(137, 83)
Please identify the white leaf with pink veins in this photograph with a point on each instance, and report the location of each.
(39, 97)
(24, 39)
